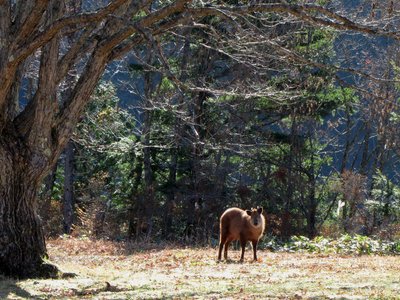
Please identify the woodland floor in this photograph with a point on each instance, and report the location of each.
(116, 271)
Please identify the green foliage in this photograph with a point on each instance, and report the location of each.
(166, 85)
(384, 190)
(395, 118)
(323, 2)
(316, 44)
(385, 200)
(346, 244)
(106, 146)
(332, 98)
(139, 15)
(261, 143)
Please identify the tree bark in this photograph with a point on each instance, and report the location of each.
(22, 245)
(68, 199)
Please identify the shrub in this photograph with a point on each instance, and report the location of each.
(345, 244)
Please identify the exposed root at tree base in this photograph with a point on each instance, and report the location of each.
(46, 270)
(66, 275)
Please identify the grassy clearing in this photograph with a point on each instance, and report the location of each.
(116, 271)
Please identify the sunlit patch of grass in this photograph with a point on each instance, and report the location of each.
(109, 271)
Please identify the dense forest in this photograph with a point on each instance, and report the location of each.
(145, 120)
(317, 148)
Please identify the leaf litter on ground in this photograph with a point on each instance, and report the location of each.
(109, 270)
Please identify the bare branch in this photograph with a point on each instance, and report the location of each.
(24, 50)
(19, 52)
(28, 18)
(80, 47)
(306, 12)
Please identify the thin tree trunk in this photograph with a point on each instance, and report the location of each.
(134, 209)
(312, 211)
(45, 200)
(147, 151)
(290, 177)
(148, 175)
(197, 110)
(312, 201)
(346, 152)
(170, 194)
(68, 199)
(365, 153)
(178, 132)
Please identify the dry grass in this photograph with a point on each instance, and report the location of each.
(109, 270)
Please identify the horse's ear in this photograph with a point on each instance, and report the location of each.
(259, 210)
(248, 212)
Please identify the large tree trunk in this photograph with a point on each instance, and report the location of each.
(22, 245)
(44, 124)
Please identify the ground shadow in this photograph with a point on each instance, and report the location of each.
(9, 287)
(230, 261)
